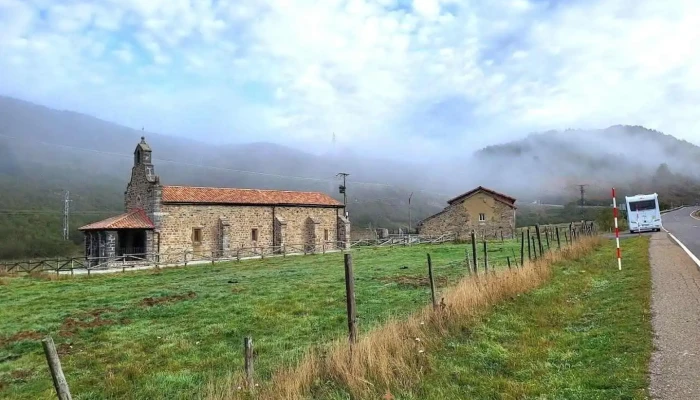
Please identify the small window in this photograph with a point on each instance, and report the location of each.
(325, 235)
(482, 217)
(197, 235)
(254, 235)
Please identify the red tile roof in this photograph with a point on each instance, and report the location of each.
(134, 219)
(206, 195)
(499, 196)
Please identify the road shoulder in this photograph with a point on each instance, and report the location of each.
(675, 363)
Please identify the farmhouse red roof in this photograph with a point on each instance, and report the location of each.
(509, 200)
(134, 219)
(207, 195)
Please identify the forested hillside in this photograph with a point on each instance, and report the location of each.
(44, 152)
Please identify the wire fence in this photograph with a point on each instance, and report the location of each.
(145, 260)
(540, 241)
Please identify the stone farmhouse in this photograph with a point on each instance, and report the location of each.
(162, 221)
(484, 211)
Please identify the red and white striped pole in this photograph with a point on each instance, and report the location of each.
(617, 231)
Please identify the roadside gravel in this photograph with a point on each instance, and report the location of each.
(675, 364)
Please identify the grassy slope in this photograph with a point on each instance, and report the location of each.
(586, 335)
(172, 349)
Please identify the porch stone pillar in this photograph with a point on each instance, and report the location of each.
(150, 240)
(111, 244)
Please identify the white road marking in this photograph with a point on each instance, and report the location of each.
(691, 255)
(693, 216)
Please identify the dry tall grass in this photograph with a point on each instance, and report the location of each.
(393, 355)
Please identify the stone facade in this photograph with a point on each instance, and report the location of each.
(295, 229)
(209, 228)
(462, 217)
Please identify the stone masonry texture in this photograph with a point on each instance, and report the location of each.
(299, 230)
(463, 217)
(224, 228)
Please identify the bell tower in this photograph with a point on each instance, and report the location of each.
(142, 160)
(143, 189)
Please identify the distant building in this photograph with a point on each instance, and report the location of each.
(484, 211)
(167, 221)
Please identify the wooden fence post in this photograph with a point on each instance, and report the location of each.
(534, 248)
(529, 245)
(547, 237)
(432, 283)
(486, 258)
(59, 380)
(558, 240)
(501, 235)
(350, 299)
(539, 239)
(248, 345)
(508, 259)
(522, 248)
(474, 253)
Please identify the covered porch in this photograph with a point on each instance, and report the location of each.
(126, 238)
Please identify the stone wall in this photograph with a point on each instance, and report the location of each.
(463, 217)
(144, 191)
(178, 221)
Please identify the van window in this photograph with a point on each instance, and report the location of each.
(643, 205)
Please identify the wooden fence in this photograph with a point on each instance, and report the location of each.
(135, 261)
(88, 265)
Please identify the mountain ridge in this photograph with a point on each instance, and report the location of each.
(54, 150)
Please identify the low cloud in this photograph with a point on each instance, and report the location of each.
(405, 80)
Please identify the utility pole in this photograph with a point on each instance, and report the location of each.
(582, 189)
(66, 214)
(409, 212)
(343, 191)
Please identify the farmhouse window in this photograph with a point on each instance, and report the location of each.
(254, 235)
(197, 235)
(482, 217)
(325, 235)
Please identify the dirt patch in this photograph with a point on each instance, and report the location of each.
(415, 281)
(90, 319)
(21, 374)
(24, 335)
(154, 301)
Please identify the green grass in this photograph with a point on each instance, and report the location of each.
(585, 335)
(114, 346)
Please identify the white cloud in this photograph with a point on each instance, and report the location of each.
(375, 72)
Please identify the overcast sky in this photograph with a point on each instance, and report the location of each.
(412, 76)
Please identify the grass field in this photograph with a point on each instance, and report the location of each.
(164, 334)
(585, 335)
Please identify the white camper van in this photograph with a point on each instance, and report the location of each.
(643, 213)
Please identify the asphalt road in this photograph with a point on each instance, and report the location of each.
(684, 227)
